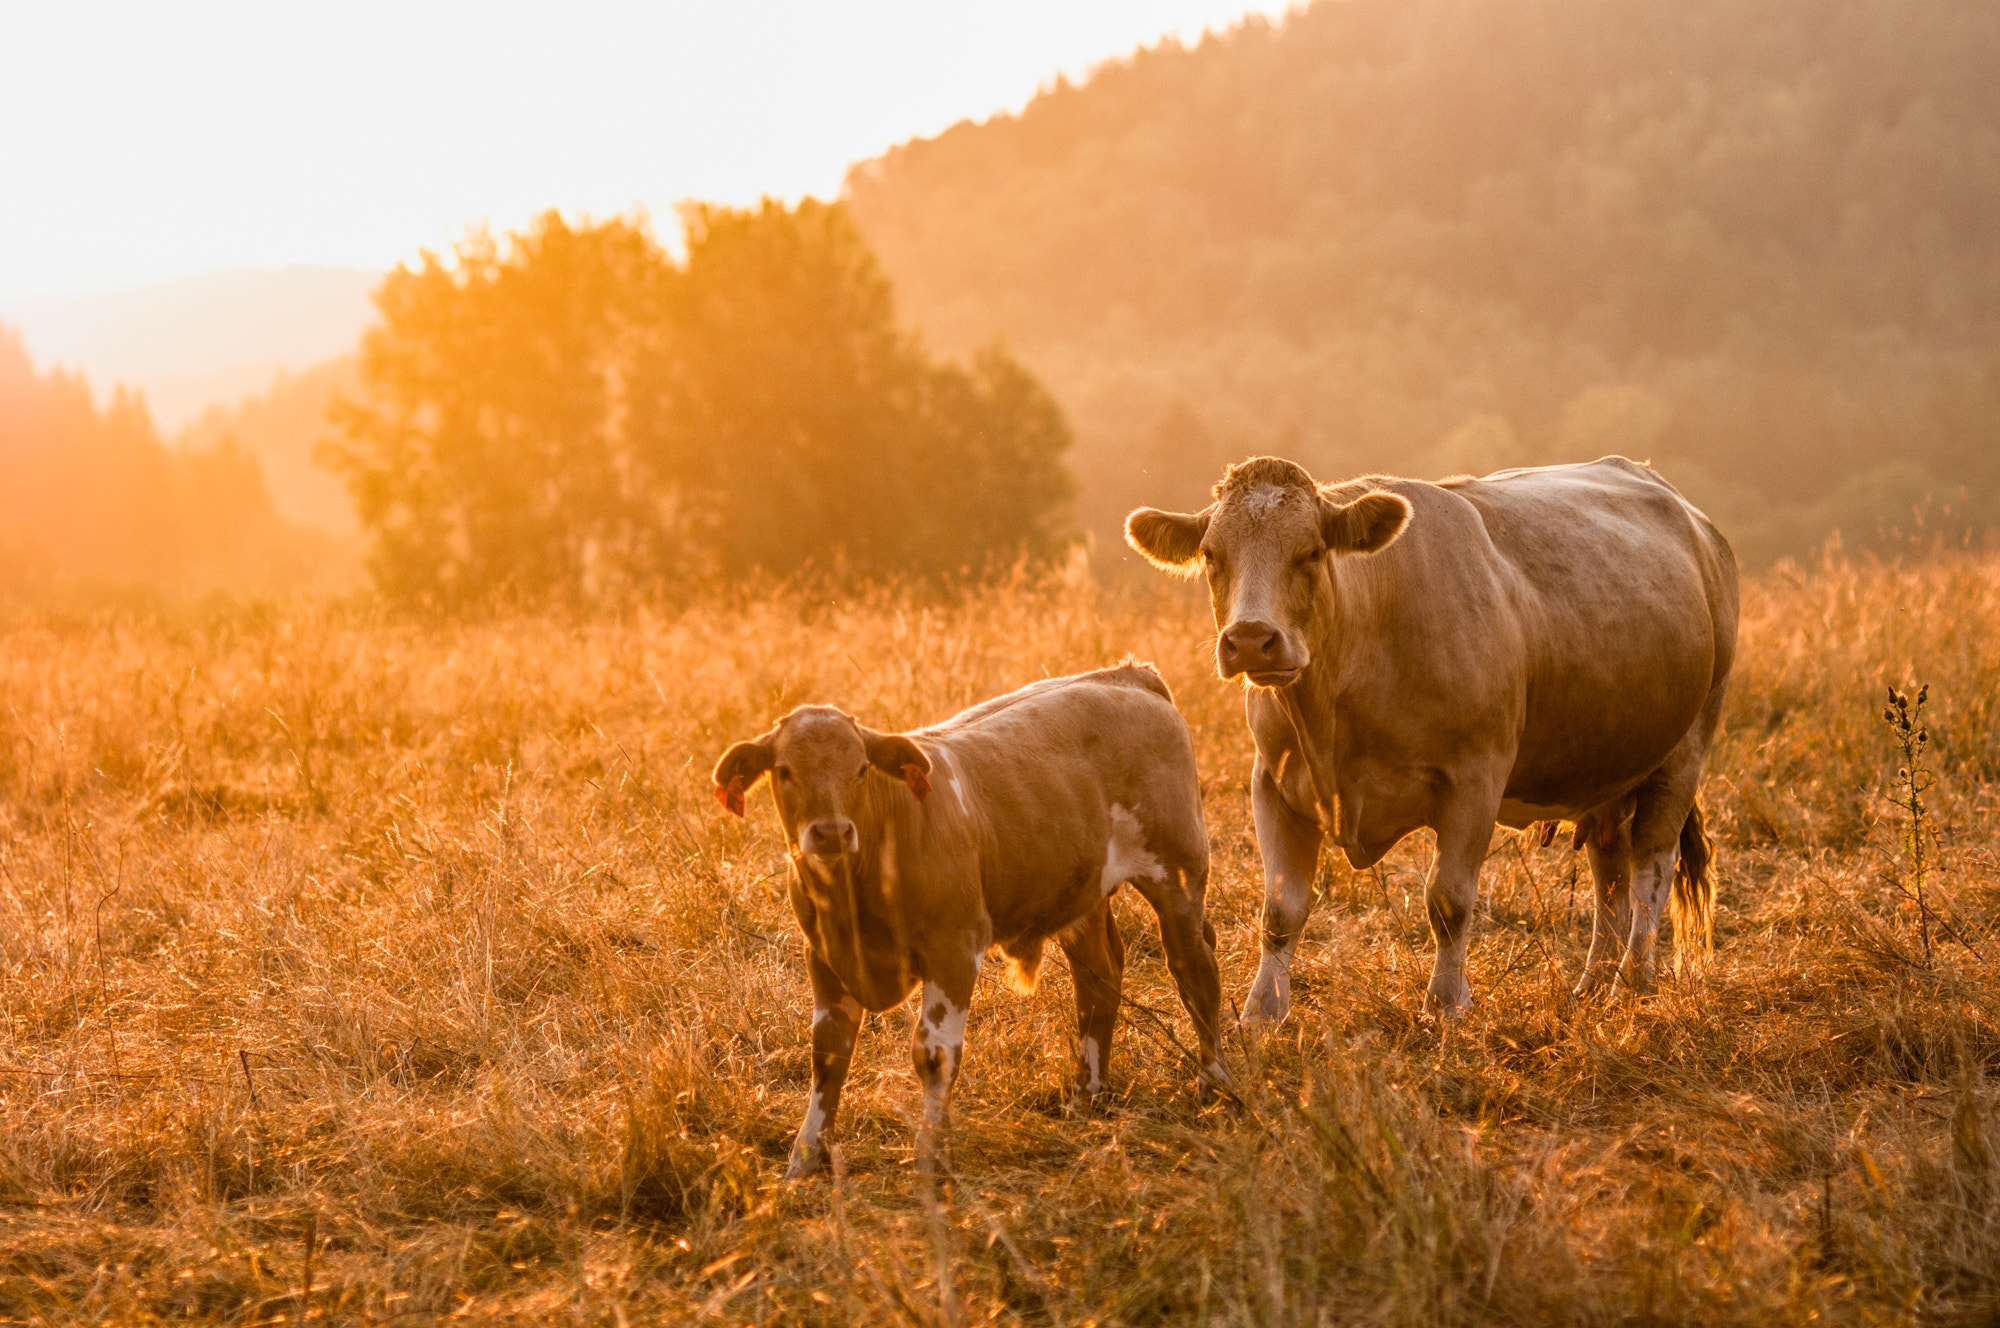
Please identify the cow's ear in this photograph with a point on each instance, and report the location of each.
(1170, 541)
(742, 766)
(899, 758)
(1369, 524)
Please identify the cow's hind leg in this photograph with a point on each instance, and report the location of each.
(836, 1022)
(1662, 808)
(1666, 801)
(1097, 967)
(1607, 837)
(1178, 898)
(1289, 845)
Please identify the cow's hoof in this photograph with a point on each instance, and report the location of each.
(1265, 1007)
(1594, 980)
(1448, 1000)
(1631, 987)
(1213, 1086)
(805, 1164)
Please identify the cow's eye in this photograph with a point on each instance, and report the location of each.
(1308, 558)
(785, 774)
(862, 773)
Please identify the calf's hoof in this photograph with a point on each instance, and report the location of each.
(805, 1163)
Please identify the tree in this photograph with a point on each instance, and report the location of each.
(582, 414)
(488, 451)
(800, 420)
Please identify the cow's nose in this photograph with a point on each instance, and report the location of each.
(1249, 647)
(830, 835)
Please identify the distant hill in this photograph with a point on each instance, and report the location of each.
(1753, 240)
(198, 341)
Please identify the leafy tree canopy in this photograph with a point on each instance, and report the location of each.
(578, 413)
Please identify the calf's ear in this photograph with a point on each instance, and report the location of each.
(896, 756)
(1369, 524)
(741, 766)
(1169, 541)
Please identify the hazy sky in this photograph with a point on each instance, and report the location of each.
(144, 141)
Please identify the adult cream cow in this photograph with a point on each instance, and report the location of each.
(1535, 645)
(1011, 823)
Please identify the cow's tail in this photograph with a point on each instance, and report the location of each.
(1693, 902)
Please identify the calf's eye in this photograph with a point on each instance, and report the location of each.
(785, 773)
(862, 773)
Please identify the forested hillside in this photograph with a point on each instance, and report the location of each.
(1755, 242)
(281, 426)
(92, 500)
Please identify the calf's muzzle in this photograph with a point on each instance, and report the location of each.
(829, 836)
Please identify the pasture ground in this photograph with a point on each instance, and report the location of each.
(362, 970)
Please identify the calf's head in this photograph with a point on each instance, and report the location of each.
(819, 759)
(1265, 543)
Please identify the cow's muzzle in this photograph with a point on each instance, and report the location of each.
(1260, 651)
(829, 837)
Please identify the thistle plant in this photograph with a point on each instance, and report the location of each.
(1904, 715)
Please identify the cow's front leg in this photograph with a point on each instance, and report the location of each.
(836, 1022)
(1463, 834)
(1289, 844)
(937, 1045)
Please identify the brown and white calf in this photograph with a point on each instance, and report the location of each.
(1013, 822)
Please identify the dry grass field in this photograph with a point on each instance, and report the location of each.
(361, 970)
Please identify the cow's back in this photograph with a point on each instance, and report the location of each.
(1048, 769)
(1591, 607)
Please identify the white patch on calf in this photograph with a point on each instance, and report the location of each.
(815, 1122)
(1093, 1066)
(847, 1006)
(1125, 856)
(941, 1033)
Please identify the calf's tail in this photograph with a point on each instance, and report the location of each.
(1693, 901)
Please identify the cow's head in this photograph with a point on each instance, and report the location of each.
(1265, 543)
(819, 759)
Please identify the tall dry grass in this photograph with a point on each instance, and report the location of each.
(359, 969)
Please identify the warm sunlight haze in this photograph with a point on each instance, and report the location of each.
(927, 664)
(146, 142)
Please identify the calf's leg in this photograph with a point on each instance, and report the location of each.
(937, 1043)
(1289, 844)
(836, 1022)
(1189, 940)
(1097, 966)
